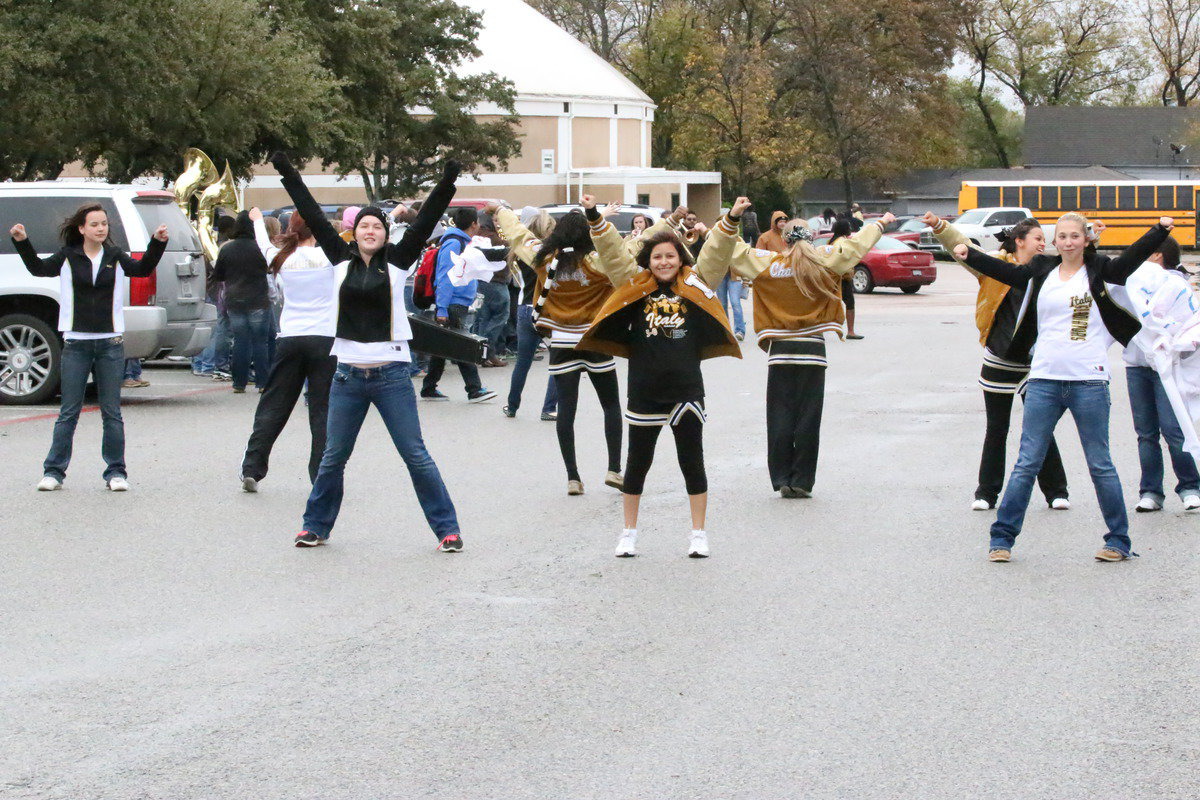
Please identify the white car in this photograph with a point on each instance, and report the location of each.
(981, 225)
(166, 312)
(622, 220)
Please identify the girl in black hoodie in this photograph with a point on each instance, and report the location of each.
(242, 268)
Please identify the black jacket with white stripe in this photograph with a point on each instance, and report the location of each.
(87, 306)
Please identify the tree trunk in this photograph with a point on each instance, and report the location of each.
(993, 131)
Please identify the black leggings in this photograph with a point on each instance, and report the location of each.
(298, 359)
(605, 384)
(689, 446)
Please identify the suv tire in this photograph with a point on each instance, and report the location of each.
(862, 282)
(30, 360)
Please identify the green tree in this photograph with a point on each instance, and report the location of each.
(989, 132)
(127, 87)
(406, 102)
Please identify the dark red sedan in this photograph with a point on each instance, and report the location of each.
(892, 263)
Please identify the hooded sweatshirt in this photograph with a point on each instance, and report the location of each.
(241, 266)
(772, 239)
(454, 241)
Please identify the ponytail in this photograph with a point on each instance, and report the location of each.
(287, 242)
(1009, 236)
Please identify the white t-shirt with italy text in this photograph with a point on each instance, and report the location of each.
(1072, 342)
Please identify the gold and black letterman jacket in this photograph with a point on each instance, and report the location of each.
(570, 305)
(791, 326)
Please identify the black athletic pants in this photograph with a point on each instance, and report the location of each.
(1052, 479)
(795, 402)
(689, 447)
(605, 384)
(297, 359)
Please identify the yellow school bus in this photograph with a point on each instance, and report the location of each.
(1128, 208)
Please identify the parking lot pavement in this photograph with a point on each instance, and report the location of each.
(171, 643)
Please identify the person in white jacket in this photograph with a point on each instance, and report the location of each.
(1152, 411)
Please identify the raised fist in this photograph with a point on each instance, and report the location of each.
(17, 232)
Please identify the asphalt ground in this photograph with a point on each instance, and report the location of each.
(171, 643)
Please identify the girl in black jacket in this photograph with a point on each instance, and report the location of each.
(91, 273)
(1065, 327)
(371, 342)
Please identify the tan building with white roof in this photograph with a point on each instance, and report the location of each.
(584, 127)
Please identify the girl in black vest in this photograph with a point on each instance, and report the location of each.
(91, 273)
(1066, 325)
(371, 335)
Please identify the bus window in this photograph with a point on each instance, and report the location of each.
(1145, 201)
(1126, 197)
(1050, 198)
(1068, 198)
(989, 196)
(1106, 198)
(1087, 198)
(1029, 198)
(1184, 200)
(1166, 198)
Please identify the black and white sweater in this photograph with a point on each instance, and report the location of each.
(369, 298)
(86, 305)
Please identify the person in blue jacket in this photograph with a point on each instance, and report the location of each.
(453, 304)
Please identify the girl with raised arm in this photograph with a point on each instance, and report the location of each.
(1064, 329)
(91, 272)
(797, 300)
(370, 340)
(665, 320)
(569, 293)
(996, 309)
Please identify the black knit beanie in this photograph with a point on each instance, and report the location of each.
(372, 211)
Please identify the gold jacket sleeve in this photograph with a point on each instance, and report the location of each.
(950, 237)
(848, 251)
(724, 250)
(518, 237)
(612, 255)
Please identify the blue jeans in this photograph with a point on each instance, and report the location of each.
(1045, 402)
(730, 292)
(133, 369)
(492, 316)
(251, 341)
(527, 343)
(105, 359)
(215, 357)
(1152, 414)
(391, 391)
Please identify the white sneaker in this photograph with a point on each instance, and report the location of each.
(1060, 504)
(1191, 502)
(249, 484)
(1148, 503)
(49, 483)
(627, 544)
(118, 484)
(698, 545)
(981, 505)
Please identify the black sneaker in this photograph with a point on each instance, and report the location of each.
(432, 394)
(549, 416)
(309, 539)
(509, 412)
(451, 543)
(480, 395)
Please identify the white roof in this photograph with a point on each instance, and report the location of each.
(541, 59)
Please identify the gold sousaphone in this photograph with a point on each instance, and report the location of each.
(200, 177)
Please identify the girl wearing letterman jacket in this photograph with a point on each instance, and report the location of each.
(797, 300)
(570, 291)
(1068, 321)
(371, 334)
(996, 308)
(665, 320)
(91, 273)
